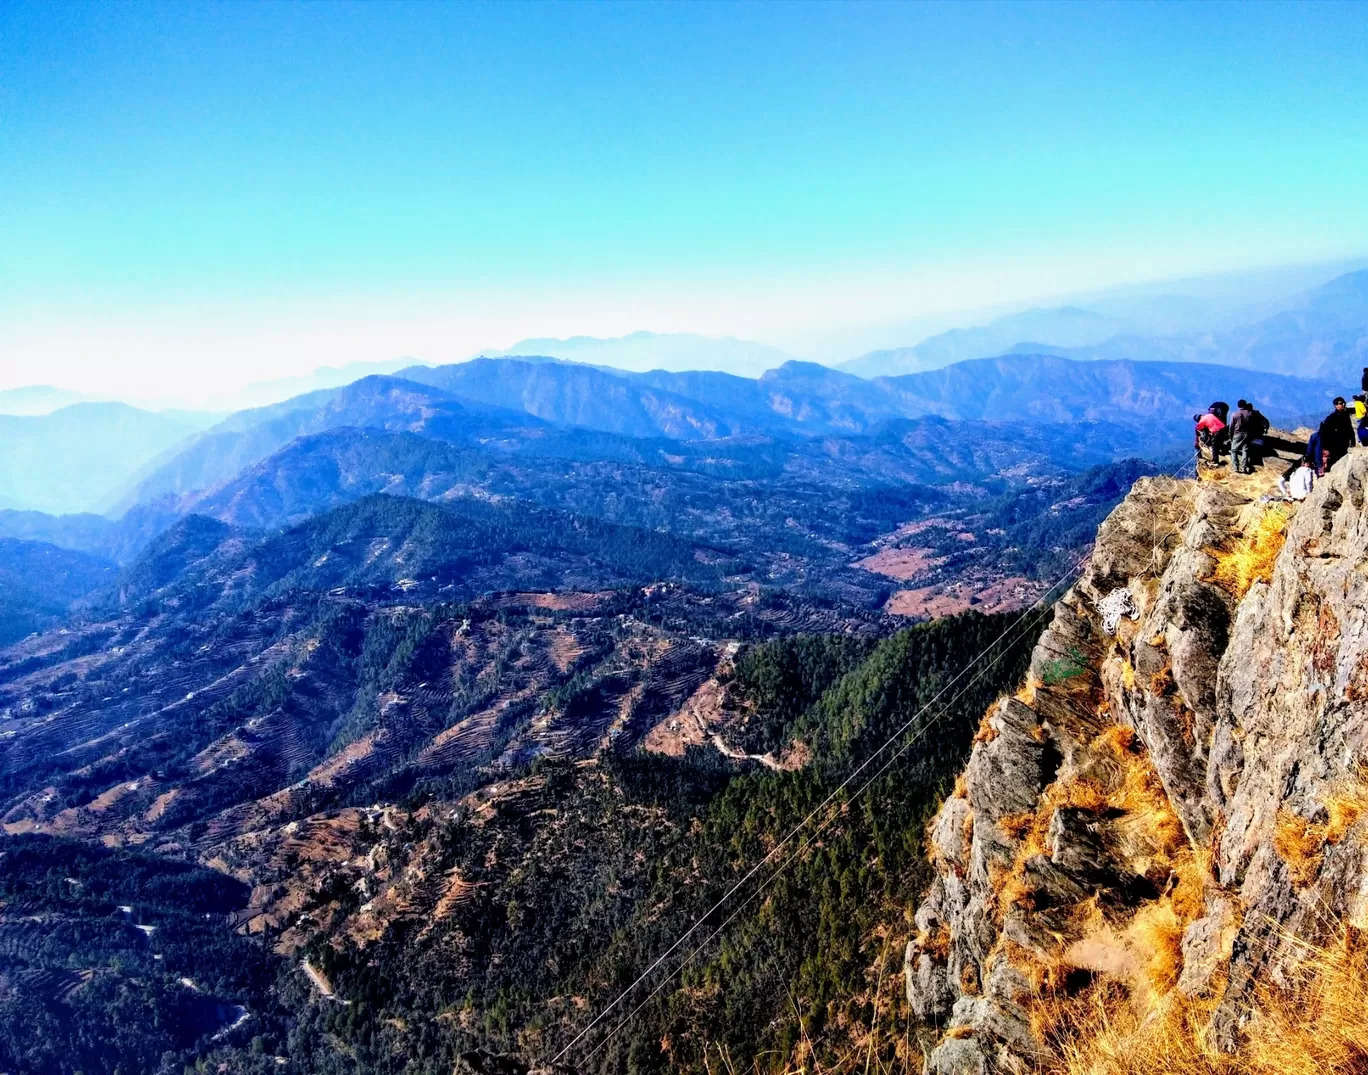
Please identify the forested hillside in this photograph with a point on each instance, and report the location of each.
(500, 914)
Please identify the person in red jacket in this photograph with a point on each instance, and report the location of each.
(1210, 433)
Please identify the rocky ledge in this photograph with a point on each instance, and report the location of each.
(1172, 810)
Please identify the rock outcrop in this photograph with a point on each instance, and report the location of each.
(1173, 807)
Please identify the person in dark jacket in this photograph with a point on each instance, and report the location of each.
(1241, 428)
(1258, 431)
(1336, 435)
(1364, 383)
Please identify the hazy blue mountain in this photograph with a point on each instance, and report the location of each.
(39, 582)
(1028, 389)
(247, 437)
(1321, 334)
(264, 393)
(36, 399)
(572, 394)
(796, 397)
(493, 402)
(1214, 302)
(643, 351)
(84, 532)
(742, 492)
(1064, 326)
(803, 397)
(72, 459)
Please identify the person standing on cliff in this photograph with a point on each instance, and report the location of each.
(1242, 432)
(1336, 435)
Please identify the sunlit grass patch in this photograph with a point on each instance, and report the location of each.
(1251, 558)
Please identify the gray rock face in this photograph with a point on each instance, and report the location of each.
(1165, 764)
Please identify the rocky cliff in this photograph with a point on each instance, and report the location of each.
(1156, 858)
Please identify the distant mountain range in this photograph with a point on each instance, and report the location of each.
(1065, 326)
(265, 393)
(35, 399)
(644, 351)
(112, 457)
(1321, 333)
(491, 400)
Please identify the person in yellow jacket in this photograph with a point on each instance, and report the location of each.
(1361, 417)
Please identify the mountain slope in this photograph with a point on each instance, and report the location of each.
(584, 396)
(509, 402)
(1322, 334)
(1044, 388)
(39, 582)
(71, 460)
(1062, 327)
(376, 402)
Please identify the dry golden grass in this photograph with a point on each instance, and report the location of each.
(1311, 1019)
(1344, 809)
(986, 732)
(1015, 826)
(1314, 1025)
(1126, 786)
(1251, 558)
(1127, 675)
(1300, 844)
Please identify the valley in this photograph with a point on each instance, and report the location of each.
(464, 703)
(474, 687)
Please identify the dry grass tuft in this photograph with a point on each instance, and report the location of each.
(1314, 1025)
(935, 943)
(1300, 844)
(1251, 559)
(1127, 675)
(1015, 826)
(1344, 809)
(986, 732)
(1028, 691)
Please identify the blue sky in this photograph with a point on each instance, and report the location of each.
(193, 192)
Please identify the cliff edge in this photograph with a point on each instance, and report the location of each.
(1155, 858)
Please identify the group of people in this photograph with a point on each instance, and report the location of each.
(1241, 434)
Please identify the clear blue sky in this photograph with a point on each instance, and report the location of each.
(300, 182)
